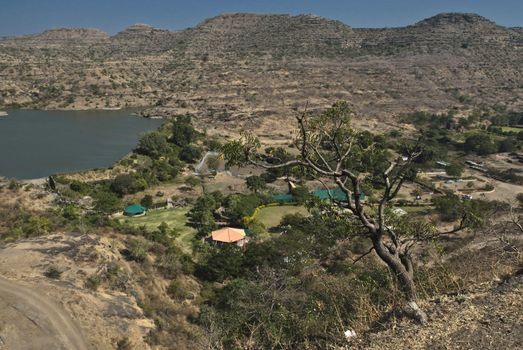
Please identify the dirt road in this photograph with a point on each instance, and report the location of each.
(28, 320)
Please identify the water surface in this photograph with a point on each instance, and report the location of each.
(36, 143)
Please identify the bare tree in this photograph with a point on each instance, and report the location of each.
(333, 152)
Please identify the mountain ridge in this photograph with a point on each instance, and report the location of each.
(257, 67)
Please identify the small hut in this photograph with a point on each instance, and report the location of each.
(229, 235)
(135, 210)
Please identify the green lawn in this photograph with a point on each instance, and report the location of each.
(425, 209)
(271, 216)
(175, 218)
(511, 129)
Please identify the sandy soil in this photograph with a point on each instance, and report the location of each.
(62, 313)
(28, 320)
(487, 317)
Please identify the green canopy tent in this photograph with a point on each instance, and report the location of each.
(134, 210)
(332, 194)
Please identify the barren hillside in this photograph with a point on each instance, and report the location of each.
(236, 67)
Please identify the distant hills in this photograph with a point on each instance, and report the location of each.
(239, 67)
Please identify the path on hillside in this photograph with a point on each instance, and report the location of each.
(28, 320)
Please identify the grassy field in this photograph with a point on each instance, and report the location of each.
(271, 216)
(511, 129)
(418, 210)
(175, 218)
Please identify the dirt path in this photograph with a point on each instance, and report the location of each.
(28, 320)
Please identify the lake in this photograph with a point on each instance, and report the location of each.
(35, 144)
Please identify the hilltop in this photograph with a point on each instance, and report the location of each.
(247, 68)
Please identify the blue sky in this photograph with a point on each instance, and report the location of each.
(32, 16)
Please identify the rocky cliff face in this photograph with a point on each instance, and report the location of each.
(244, 68)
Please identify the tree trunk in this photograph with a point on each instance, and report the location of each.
(405, 278)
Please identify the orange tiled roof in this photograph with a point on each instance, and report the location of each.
(228, 235)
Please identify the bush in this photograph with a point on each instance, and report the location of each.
(154, 145)
(183, 133)
(481, 144)
(454, 170)
(106, 202)
(176, 290)
(221, 264)
(124, 344)
(14, 185)
(255, 183)
(147, 201)
(93, 282)
(137, 250)
(53, 272)
(71, 212)
(190, 153)
(128, 184)
(78, 186)
(36, 226)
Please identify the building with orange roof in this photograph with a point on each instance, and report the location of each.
(229, 235)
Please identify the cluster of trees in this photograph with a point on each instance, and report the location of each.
(437, 138)
(329, 149)
(450, 208)
(166, 152)
(293, 291)
(484, 144)
(235, 207)
(178, 142)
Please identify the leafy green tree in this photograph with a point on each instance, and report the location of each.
(255, 183)
(223, 263)
(448, 207)
(147, 201)
(106, 202)
(128, 184)
(454, 169)
(190, 153)
(238, 206)
(154, 145)
(508, 144)
(201, 215)
(192, 181)
(183, 133)
(481, 144)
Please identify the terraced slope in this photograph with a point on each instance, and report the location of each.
(247, 69)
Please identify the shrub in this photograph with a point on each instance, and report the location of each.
(183, 132)
(71, 212)
(137, 250)
(190, 153)
(93, 282)
(154, 145)
(176, 290)
(124, 344)
(53, 272)
(128, 184)
(147, 201)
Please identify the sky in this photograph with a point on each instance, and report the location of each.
(19, 17)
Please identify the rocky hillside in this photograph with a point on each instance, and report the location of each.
(246, 68)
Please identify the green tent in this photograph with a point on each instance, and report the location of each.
(335, 193)
(135, 209)
(283, 198)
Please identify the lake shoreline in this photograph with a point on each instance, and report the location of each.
(36, 143)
